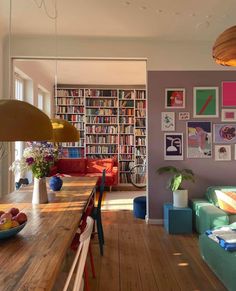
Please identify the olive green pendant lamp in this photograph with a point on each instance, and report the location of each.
(63, 131)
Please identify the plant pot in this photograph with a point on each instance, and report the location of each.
(55, 183)
(180, 198)
(40, 194)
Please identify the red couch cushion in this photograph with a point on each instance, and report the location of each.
(72, 166)
(97, 165)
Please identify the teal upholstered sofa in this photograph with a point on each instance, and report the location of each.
(207, 214)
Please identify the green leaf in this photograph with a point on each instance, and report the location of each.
(167, 169)
(176, 182)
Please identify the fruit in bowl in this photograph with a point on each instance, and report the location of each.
(11, 222)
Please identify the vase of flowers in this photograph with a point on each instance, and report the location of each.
(37, 157)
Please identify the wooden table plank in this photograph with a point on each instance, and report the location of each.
(31, 260)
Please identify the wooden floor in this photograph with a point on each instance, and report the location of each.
(143, 257)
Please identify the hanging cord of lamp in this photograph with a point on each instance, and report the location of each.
(41, 4)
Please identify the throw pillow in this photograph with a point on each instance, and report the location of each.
(227, 200)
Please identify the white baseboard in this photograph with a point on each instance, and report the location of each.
(154, 221)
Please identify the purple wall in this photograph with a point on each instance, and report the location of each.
(208, 172)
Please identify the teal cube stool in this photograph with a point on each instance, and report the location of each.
(177, 220)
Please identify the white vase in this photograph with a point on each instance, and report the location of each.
(180, 198)
(40, 194)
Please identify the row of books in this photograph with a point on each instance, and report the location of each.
(69, 117)
(69, 109)
(102, 139)
(126, 103)
(126, 157)
(101, 111)
(126, 94)
(126, 119)
(101, 129)
(140, 122)
(140, 141)
(140, 114)
(101, 119)
(102, 102)
(72, 152)
(125, 166)
(140, 131)
(126, 111)
(74, 144)
(79, 125)
(106, 149)
(103, 93)
(70, 92)
(140, 94)
(126, 128)
(69, 101)
(125, 178)
(126, 140)
(141, 104)
(126, 149)
(141, 151)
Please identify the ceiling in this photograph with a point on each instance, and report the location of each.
(87, 72)
(174, 20)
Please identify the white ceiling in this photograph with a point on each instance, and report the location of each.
(163, 19)
(87, 72)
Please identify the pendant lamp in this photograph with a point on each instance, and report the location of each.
(224, 49)
(21, 121)
(63, 131)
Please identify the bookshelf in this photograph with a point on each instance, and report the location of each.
(112, 124)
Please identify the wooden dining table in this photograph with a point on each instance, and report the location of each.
(31, 260)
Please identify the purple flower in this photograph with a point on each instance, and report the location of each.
(48, 158)
(30, 161)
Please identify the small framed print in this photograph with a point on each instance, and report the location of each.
(205, 102)
(173, 146)
(199, 139)
(228, 115)
(222, 152)
(167, 121)
(228, 93)
(225, 133)
(184, 115)
(175, 98)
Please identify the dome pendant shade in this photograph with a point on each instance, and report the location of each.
(21, 121)
(224, 49)
(63, 131)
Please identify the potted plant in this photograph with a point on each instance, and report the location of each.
(180, 195)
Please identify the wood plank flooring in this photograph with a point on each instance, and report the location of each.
(140, 257)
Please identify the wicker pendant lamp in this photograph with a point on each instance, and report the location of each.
(224, 49)
(63, 131)
(21, 121)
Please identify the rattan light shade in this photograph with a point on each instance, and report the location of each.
(21, 121)
(224, 49)
(63, 131)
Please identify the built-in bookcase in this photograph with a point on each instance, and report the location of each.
(112, 124)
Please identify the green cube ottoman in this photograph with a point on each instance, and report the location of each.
(177, 220)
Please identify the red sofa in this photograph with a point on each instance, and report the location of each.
(88, 168)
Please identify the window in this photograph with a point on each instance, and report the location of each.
(40, 99)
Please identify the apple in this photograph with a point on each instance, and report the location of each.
(6, 215)
(21, 217)
(5, 224)
(1, 213)
(14, 211)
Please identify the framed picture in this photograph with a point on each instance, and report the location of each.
(199, 139)
(228, 93)
(225, 133)
(205, 102)
(175, 98)
(228, 115)
(173, 146)
(222, 152)
(167, 121)
(184, 115)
